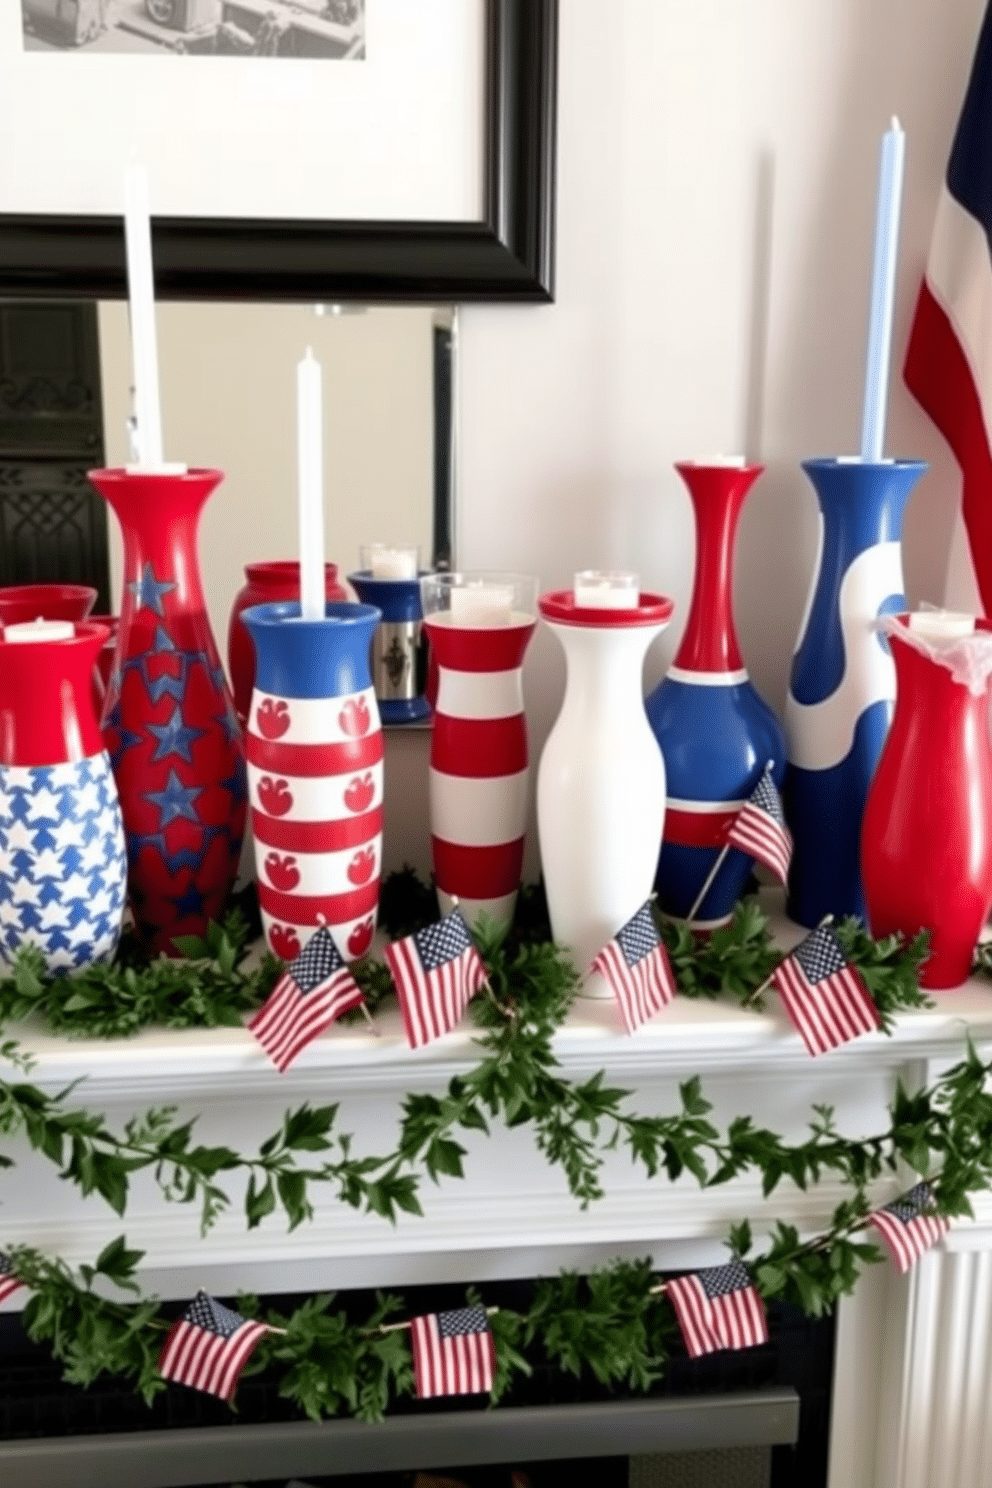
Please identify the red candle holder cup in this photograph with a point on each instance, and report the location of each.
(20, 603)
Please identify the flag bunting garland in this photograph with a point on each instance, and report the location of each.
(453, 1353)
(209, 1346)
(718, 1308)
(9, 1283)
(312, 993)
(759, 828)
(824, 995)
(436, 972)
(636, 966)
(908, 1228)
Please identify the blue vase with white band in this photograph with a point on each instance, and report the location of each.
(843, 686)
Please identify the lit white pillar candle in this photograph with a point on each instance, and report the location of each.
(141, 310)
(310, 472)
(32, 631)
(599, 590)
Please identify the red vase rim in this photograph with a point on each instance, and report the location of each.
(122, 474)
(718, 468)
(84, 631)
(559, 605)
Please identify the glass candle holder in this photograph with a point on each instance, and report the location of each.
(389, 579)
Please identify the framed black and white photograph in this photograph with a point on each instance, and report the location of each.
(412, 159)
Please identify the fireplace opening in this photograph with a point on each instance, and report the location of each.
(758, 1418)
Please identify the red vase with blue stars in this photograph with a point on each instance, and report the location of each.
(169, 721)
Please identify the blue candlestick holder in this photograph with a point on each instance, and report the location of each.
(398, 660)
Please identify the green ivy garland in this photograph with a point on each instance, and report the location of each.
(612, 1321)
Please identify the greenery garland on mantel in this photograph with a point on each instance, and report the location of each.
(612, 1321)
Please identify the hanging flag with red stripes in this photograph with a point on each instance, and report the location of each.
(718, 1308)
(436, 972)
(824, 995)
(313, 991)
(909, 1227)
(209, 1346)
(453, 1353)
(636, 965)
(949, 358)
(9, 1283)
(759, 828)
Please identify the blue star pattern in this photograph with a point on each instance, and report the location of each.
(63, 866)
(147, 591)
(175, 737)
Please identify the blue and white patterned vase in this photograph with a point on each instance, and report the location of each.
(843, 684)
(63, 862)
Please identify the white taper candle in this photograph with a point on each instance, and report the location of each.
(141, 307)
(310, 466)
(883, 288)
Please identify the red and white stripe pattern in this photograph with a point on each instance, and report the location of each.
(759, 828)
(453, 1353)
(9, 1283)
(209, 1346)
(824, 995)
(718, 1308)
(313, 992)
(636, 965)
(478, 768)
(436, 971)
(315, 786)
(907, 1229)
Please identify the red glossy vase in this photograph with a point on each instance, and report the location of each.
(267, 583)
(169, 721)
(20, 603)
(926, 838)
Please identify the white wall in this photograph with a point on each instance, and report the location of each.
(717, 169)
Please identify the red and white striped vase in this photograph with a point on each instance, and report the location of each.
(479, 625)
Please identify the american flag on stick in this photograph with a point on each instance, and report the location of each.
(759, 828)
(909, 1227)
(436, 972)
(824, 995)
(636, 965)
(718, 1308)
(314, 990)
(8, 1281)
(453, 1353)
(209, 1346)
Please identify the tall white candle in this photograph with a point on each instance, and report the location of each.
(310, 468)
(141, 307)
(883, 288)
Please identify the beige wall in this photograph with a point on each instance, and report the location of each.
(228, 390)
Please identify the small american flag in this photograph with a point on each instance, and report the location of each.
(453, 1353)
(436, 972)
(209, 1346)
(8, 1281)
(314, 990)
(759, 828)
(825, 997)
(718, 1308)
(906, 1227)
(636, 965)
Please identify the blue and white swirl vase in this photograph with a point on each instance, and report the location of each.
(843, 683)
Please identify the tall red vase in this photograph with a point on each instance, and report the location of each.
(265, 583)
(169, 720)
(926, 837)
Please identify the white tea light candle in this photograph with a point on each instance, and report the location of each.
(597, 589)
(390, 563)
(310, 487)
(482, 604)
(29, 631)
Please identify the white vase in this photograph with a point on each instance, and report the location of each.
(601, 780)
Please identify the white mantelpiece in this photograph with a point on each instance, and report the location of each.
(912, 1355)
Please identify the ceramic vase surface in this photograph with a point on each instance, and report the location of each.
(265, 583)
(398, 651)
(601, 780)
(716, 733)
(20, 603)
(478, 775)
(843, 680)
(926, 845)
(315, 776)
(169, 722)
(63, 865)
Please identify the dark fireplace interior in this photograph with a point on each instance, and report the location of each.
(754, 1419)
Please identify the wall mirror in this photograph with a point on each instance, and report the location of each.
(238, 298)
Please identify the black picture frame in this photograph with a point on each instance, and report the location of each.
(507, 256)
